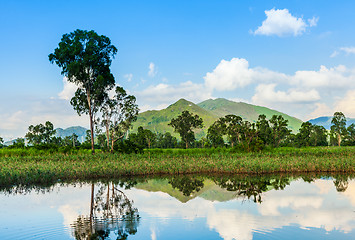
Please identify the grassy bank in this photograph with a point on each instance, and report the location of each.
(62, 167)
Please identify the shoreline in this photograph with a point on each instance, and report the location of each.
(50, 168)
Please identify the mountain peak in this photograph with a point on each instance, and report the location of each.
(182, 103)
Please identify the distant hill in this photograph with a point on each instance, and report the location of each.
(327, 121)
(209, 111)
(249, 112)
(79, 131)
(157, 121)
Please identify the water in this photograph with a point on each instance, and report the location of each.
(185, 207)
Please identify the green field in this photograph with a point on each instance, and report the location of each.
(82, 166)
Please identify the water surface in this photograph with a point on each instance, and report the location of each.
(184, 207)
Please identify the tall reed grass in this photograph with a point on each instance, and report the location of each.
(81, 166)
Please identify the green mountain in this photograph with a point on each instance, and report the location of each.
(157, 121)
(209, 111)
(222, 107)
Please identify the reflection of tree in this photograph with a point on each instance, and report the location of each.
(187, 184)
(111, 211)
(341, 183)
(252, 187)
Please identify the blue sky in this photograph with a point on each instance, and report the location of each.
(293, 56)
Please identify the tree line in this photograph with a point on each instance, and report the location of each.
(227, 131)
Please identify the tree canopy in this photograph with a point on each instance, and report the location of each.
(184, 124)
(339, 126)
(40, 133)
(85, 58)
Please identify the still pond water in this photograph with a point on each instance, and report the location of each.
(184, 207)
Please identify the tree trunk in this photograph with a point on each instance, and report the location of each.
(91, 124)
(339, 139)
(107, 135)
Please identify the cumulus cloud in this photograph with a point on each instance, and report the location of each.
(152, 70)
(229, 75)
(346, 104)
(25, 112)
(165, 94)
(69, 89)
(280, 22)
(337, 77)
(266, 93)
(320, 109)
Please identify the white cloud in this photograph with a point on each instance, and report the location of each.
(321, 109)
(303, 94)
(128, 77)
(165, 94)
(334, 54)
(338, 77)
(69, 89)
(229, 75)
(346, 104)
(348, 50)
(152, 70)
(266, 93)
(280, 22)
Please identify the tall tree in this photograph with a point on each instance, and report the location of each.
(40, 133)
(184, 124)
(118, 114)
(279, 130)
(339, 126)
(233, 127)
(264, 129)
(85, 58)
(351, 135)
(144, 137)
(215, 134)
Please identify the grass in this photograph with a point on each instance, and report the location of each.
(82, 166)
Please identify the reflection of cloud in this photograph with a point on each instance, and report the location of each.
(350, 192)
(232, 224)
(307, 205)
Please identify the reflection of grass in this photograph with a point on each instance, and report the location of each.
(50, 168)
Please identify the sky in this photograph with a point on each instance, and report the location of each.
(297, 57)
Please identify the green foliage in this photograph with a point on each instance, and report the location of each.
(311, 135)
(279, 130)
(40, 133)
(85, 58)
(350, 137)
(166, 140)
(118, 114)
(143, 138)
(338, 128)
(46, 168)
(184, 124)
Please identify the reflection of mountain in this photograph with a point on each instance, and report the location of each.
(218, 189)
(210, 191)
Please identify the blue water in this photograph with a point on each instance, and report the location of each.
(183, 208)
